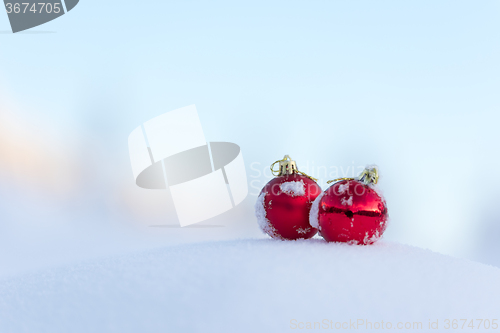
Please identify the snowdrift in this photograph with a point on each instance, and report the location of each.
(258, 285)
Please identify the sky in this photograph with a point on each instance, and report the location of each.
(337, 85)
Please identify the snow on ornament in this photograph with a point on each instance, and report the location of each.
(282, 208)
(351, 210)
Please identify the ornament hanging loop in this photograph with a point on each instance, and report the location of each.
(305, 174)
(287, 166)
(338, 179)
(369, 176)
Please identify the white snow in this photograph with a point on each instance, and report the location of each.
(343, 187)
(303, 230)
(260, 214)
(346, 202)
(313, 213)
(375, 237)
(259, 285)
(293, 188)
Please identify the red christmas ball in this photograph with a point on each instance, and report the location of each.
(283, 206)
(350, 211)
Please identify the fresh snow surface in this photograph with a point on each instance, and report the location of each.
(257, 285)
(293, 188)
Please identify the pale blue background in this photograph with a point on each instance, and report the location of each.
(411, 86)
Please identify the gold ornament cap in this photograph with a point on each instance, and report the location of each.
(369, 175)
(287, 166)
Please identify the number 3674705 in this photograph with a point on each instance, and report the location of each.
(35, 8)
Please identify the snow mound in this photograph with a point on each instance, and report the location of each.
(250, 286)
(293, 188)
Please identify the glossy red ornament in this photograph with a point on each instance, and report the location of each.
(283, 206)
(350, 211)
